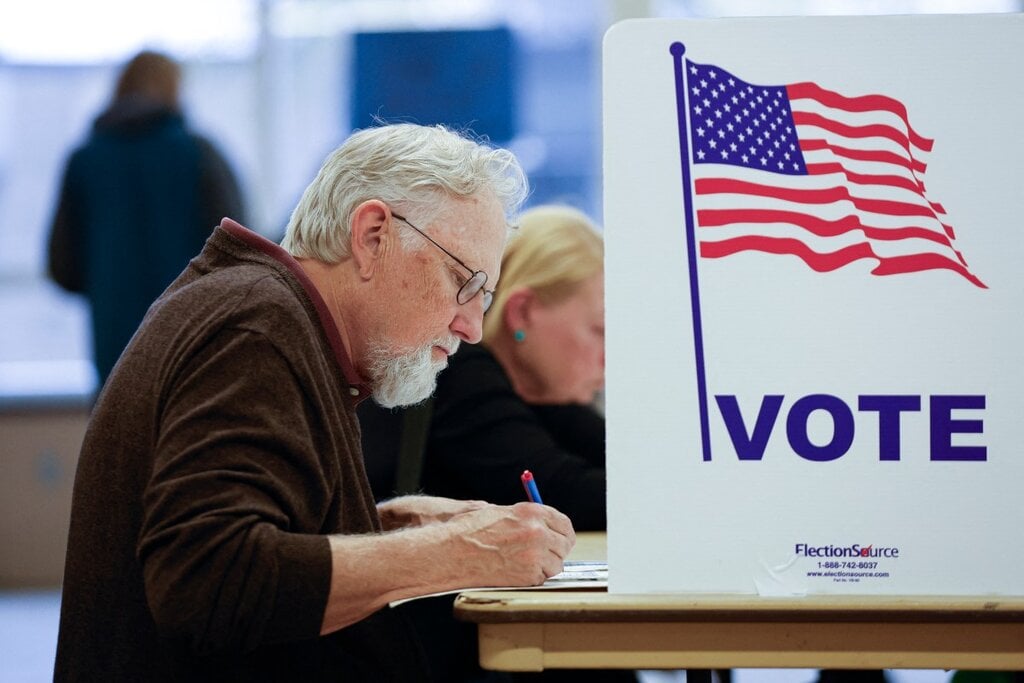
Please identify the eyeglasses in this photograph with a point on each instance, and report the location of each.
(477, 279)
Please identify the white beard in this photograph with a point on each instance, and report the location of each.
(404, 379)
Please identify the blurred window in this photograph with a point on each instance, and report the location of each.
(271, 83)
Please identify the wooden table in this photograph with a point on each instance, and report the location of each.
(535, 630)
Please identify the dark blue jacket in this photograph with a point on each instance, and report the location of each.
(138, 200)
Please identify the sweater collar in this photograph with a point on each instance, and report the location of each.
(358, 387)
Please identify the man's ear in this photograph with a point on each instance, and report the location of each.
(371, 236)
(518, 309)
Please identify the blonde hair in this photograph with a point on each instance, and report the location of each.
(554, 251)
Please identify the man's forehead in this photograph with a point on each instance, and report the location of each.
(477, 235)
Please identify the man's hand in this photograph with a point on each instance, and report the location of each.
(478, 545)
(407, 511)
(518, 545)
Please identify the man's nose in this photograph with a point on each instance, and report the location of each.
(468, 323)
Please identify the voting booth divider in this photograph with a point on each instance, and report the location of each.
(814, 291)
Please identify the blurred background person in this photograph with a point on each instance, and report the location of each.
(137, 200)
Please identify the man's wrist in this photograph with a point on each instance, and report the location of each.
(396, 513)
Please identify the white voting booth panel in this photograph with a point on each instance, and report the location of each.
(815, 288)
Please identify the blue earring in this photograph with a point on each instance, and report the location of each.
(519, 336)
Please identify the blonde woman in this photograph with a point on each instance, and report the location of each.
(522, 398)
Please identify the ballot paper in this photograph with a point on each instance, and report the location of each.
(588, 573)
(575, 574)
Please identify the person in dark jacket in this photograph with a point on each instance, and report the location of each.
(138, 199)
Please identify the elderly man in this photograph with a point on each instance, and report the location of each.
(222, 525)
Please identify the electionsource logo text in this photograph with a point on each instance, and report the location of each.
(855, 550)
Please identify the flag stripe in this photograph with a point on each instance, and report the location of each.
(920, 262)
(780, 245)
(914, 186)
(825, 262)
(787, 199)
(817, 196)
(913, 165)
(863, 103)
(865, 178)
(877, 130)
(821, 227)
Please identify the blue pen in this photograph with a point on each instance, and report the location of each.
(531, 487)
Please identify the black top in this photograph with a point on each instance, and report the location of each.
(137, 200)
(483, 435)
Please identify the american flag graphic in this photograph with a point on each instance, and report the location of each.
(801, 170)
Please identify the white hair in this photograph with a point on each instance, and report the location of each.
(407, 166)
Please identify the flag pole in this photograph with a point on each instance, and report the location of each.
(677, 50)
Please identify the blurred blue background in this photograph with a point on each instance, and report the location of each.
(277, 84)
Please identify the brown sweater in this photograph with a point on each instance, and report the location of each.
(222, 449)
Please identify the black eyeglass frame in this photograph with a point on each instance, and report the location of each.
(473, 285)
